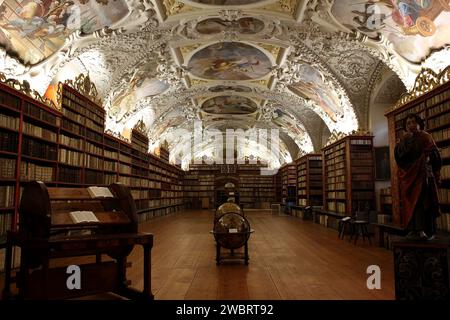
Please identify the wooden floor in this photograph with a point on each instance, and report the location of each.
(289, 259)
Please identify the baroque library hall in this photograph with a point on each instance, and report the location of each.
(225, 150)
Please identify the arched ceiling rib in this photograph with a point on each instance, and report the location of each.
(305, 67)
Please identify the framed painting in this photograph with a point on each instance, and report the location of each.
(382, 164)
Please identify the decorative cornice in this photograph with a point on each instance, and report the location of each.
(24, 87)
(86, 87)
(173, 6)
(118, 136)
(426, 81)
(336, 136)
(141, 127)
(288, 5)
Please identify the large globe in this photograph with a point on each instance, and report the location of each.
(227, 207)
(231, 230)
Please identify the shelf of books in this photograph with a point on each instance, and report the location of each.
(309, 180)
(256, 191)
(432, 103)
(198, 186)
(68, 147)
(289, 183)
(385, 216)
(348, 173)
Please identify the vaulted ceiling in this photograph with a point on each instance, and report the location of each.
(304, 67)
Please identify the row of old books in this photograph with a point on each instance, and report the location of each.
(7, 194)
(9, 141)
(443, 222)
(441, 135)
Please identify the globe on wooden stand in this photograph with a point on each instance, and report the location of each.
(231, 231)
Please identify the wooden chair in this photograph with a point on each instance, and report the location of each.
(47, 231)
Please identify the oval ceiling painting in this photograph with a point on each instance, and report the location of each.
(221, 88)
(229, 61)
(229, 105)
(36, 29)
(226, 2)
(216, 25)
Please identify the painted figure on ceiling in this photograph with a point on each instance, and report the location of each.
(407, 12)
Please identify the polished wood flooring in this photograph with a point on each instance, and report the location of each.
(289, 259)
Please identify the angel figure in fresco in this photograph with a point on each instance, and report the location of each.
(241, 65)
(316, 94)
(41, 18)
(417, 16)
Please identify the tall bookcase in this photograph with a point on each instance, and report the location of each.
(430, 98)
(198, 189)
(68, 147)
(288, 183)
(309, 180)
(348, 171)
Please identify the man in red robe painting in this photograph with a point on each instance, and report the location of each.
(419, 163)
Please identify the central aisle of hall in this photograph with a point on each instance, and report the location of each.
(289, 259)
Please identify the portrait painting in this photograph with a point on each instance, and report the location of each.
(229, 61)
(229, 105)
(243, 25)
(312, 87)
(414, 27)
(382, 164)
(36, 29)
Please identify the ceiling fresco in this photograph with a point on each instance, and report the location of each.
(305, 67)
(414, 27)
(243, 25)
(36, 29)
(312, 87)
(229, 105)
(221, 88)
(226, 2)
(229, 61)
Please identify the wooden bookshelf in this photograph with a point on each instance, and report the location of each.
(69, 148)
(385, 216)
(256, 191)
(348, 171)
(288, 174)
(430, 98)
(309, 180)
(202, 184)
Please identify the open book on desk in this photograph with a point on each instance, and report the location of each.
(100, 192)
(83, 216)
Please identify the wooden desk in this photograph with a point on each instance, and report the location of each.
(47, 232)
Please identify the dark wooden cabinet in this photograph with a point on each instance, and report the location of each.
(422, 270)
